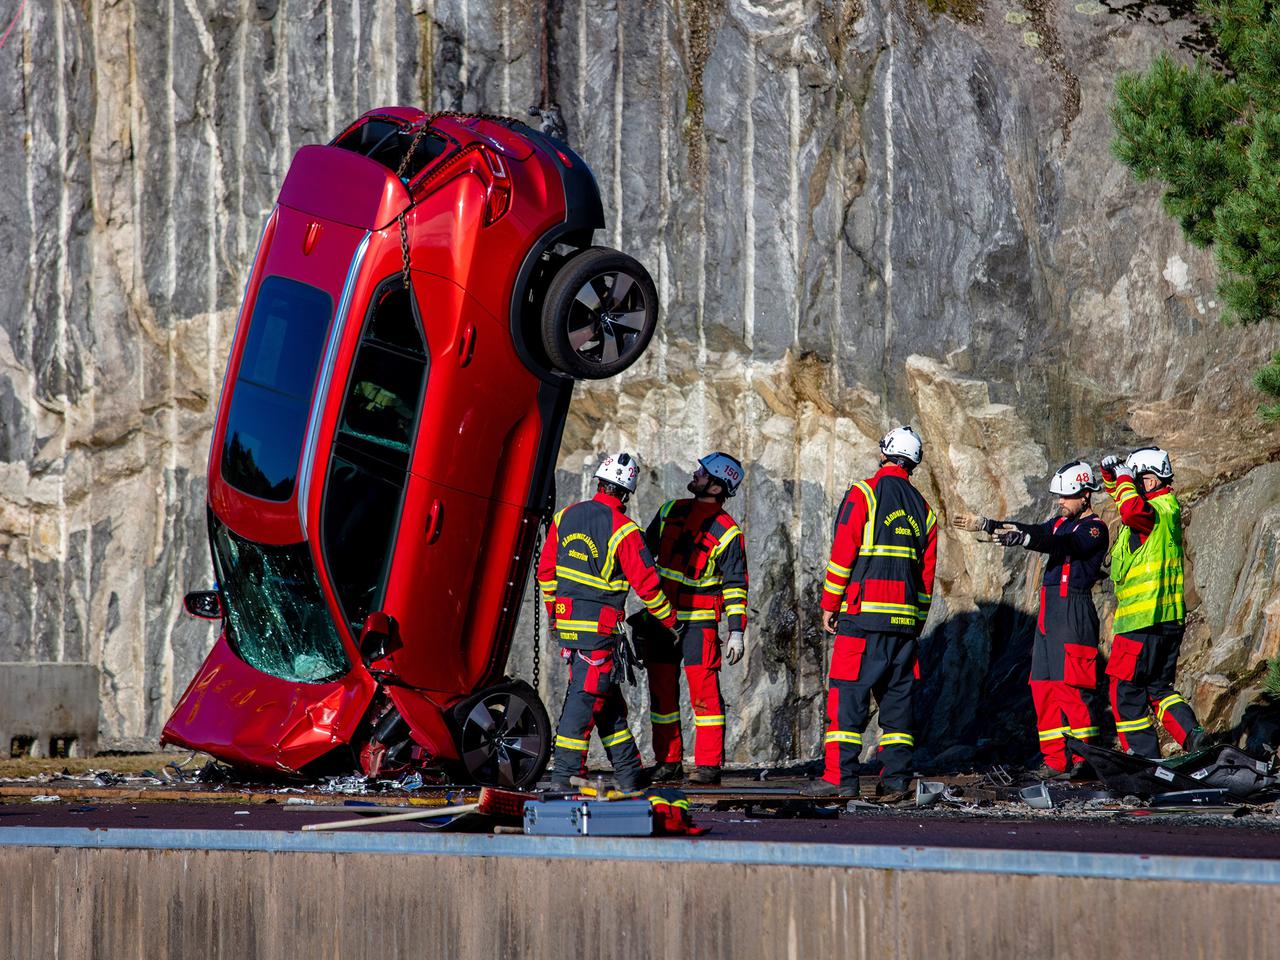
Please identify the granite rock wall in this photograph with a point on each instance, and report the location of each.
(857, 213)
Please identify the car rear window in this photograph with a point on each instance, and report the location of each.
(272, 393)
(388, 141)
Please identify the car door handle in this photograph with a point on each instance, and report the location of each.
(466, 344)
(435, 520)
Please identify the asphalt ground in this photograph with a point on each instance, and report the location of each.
(1253, 836)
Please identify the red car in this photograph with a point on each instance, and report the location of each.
(424, 295)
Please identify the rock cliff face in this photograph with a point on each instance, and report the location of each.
(857, 213)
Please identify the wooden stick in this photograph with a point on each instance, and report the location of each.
(428, 814)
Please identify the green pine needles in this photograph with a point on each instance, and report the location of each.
(1271, 682)
(1212, 136)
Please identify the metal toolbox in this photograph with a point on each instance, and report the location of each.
(588, 818)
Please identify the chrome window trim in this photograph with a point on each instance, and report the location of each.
(322, 387)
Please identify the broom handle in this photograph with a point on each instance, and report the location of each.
(428, 814)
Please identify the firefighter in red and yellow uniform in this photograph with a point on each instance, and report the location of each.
(1064, 654)
(879, 585)
(1146, 567)
(592, 556)
(702, 560)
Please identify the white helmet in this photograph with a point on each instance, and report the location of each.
(1072, 479)
(620, 469)
(903, 442)
(726, 469)
(1150, 460)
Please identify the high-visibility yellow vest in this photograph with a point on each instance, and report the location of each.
(1149, 580)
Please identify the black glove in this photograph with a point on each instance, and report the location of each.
(1013, 538)
(988, 525)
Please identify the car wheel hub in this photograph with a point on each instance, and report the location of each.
(500, 740)
(607, 318)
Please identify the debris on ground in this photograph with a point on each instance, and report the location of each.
(1242, 776)
(1220, 785)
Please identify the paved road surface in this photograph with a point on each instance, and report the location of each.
(1253, 837)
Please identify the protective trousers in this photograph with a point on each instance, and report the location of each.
(883, 664)
(698, 647)
(594, 701)
(1142, 669)
(1064, 672)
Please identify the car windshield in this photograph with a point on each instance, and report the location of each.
(272, 394)
(277, 621)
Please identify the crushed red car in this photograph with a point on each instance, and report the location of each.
(424, 296)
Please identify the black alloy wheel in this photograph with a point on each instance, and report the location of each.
(505, 737)
(599, 315)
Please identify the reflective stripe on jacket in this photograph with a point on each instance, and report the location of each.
(592, 556)
(883, 555)
(702, 560)
(1148, 577)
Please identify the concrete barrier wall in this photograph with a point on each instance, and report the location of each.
(58, 902)
(41, 702)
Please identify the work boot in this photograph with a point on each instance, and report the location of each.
(1083, 772)
(1197, 739)
(894, 791)
(560, 784)
(705, 776)
(632, 783)
(672, 770)
(1046, 772)
(825, 788)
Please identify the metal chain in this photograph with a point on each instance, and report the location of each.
(537, 602)
(404, 249)
(423, 127)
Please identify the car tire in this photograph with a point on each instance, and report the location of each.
(504, 736)
(589, 332)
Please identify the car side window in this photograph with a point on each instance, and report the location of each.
(381, 408)
(371, 452)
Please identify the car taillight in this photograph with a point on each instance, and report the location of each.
(498, 199)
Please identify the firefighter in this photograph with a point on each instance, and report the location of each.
(1146, 567)
(702, 559)
(879, 585)
(1064, 655)
(593, 554)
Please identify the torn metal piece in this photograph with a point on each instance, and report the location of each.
(1038, 796)
(998, 776)
(1243, 777)
(1212, 797)
(928, 792)
(1131, 775)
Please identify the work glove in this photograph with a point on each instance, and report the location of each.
(974, 523)
(1013, 538)
(736, 648)
(1116, 467)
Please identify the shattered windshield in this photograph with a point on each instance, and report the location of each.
(277, 621)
